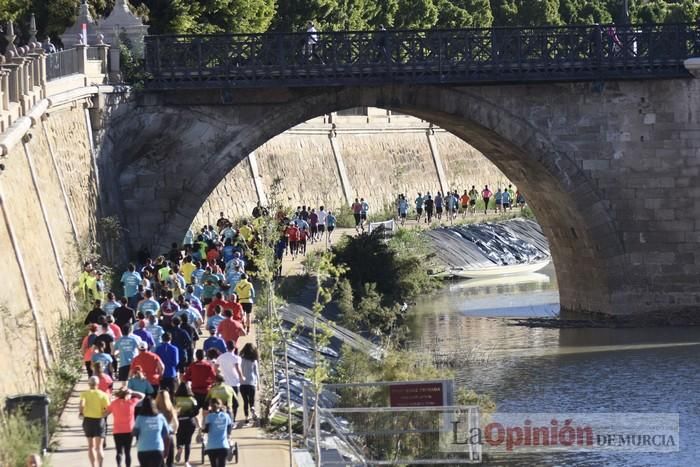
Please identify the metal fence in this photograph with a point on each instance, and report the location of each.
(445, 435)
(60, 64)
(421, 56)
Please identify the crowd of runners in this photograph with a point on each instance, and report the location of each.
(164, 355)
(448, 206)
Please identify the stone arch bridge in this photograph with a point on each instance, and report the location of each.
(610, 163)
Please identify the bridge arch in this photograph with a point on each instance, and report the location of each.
(196, 133)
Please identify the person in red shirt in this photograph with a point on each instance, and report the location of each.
(218, 300)
(150, 363)
(122, 409)
(293, 236)
(235, 307)
(202, 375)
(230, 329)
(303, 237)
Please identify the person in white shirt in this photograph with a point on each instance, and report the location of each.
(321, 224)
(229, 364)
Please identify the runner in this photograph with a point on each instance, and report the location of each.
(356, 213)
(473, 195)
(166, 408)
(150, 365)
(313, 223)
(126, 349)
(201, 375)
(218, 425)
(130, 280)
(419, 206)
(92, 409)
(246, 296)
(229, 364)
(429, 206)
(464, 202)
(438, 205)
(506, 200)
(153, 434)
(322, 216)
(486, 195)
(122, 410)
(364, 212)
(187, 410)
(331, 222)
(250, 371)
(403, 209)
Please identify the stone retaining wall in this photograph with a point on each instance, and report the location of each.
(21, 330)
(381, 160)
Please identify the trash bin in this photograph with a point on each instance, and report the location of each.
(35, 408)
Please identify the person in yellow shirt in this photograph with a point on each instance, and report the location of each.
(246, 297)
(93, 407)
(83, 281)
(187, 268)
(246, 231)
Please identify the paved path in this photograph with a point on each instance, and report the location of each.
(256, 449)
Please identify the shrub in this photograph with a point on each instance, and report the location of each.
(18, 440)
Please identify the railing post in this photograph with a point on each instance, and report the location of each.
(81, 57)
(103, 53)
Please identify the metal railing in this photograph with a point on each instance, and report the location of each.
(60, 64)
(421, 56)
(398, 436)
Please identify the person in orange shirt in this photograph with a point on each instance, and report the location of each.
(464, 202)
(230, 329)
(235, 307)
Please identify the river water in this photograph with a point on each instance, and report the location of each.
(530, 370)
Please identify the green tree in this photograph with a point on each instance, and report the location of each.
(685, 11)
(525, 12)
(416, 14)
(464, 14)
(293, 15)
(653, 11)
(584, 12)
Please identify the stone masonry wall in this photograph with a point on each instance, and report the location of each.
(381, 160)
(67, 134)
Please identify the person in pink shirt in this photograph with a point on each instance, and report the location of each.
(486, 195)
(114, 328)
(105, 381)
(122, 410)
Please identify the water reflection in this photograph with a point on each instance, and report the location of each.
(561, 370)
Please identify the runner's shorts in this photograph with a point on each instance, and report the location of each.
(247, 307)
(94, 427)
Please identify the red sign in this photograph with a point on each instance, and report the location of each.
(416, 395)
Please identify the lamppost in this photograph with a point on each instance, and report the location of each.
(626, 12)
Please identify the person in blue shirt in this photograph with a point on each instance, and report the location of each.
(144, 335)
(181, 339)
(216, 318)
(149, 305)
(153, 432)
(131, 280)
(331, 222)
(155, 329)
(214, 341)
(199, 272)
(126, 348)
(218, 426)
(170, 356)
(103, 357)
(111, 305)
